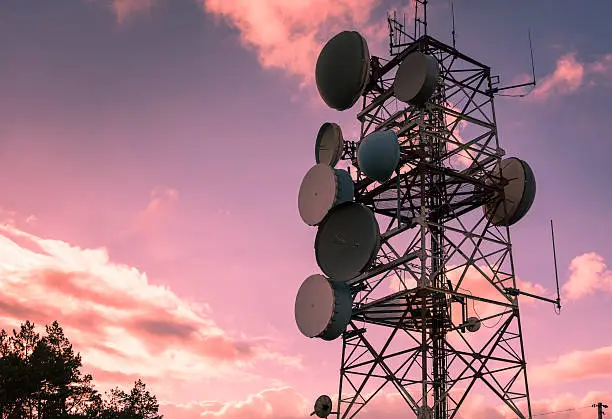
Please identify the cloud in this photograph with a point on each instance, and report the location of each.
(125, 9)
(122, 324)
(588, 274)
(566, 78)
(576, 365)
(287, 403)
(569, 76)
(162, 201)
(288, 35)
(602, 66)
(570, 406)
(280, 403)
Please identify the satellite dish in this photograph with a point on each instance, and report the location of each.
(323, 308)
(415, 79)
(518, 195)
(323, 407)
(322, 188)
(329, 144)
(473, 324)
(378, 155)
(343, 70)
(347, 241)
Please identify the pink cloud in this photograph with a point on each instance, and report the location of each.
(569, 76)
(287, 403)
(577, 365)
(279, 403)
(566, 78)
(162, 201)
(121, 324)
(125, 9)
(588, 274)
(288, 35)
(602, 66)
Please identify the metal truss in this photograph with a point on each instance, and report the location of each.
(441, 260)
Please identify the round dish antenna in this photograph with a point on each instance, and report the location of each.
(415, 79)
(323, 407)
(347, 241)
(343, 70)
(518, 193)
(473, 324)
(322, 188)
(329, 144)
(323, 308)
(378, 155)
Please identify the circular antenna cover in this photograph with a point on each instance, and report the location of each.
(378, 155)
(323, 308)
(473, 324)
(323, 406)
(321, 189)
(415, 79)
(343, 70)
(347, 241)
(518, 193)
(329, 144)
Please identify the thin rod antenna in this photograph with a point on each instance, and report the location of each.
(531, 52)
(453, 32)
(416, 17)
(552, 232)
(532, 83)
(425, 16)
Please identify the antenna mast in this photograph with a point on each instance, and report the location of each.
(600, 409)
(453, 16)
(427, 218)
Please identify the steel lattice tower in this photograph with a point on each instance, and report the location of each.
(435, 236)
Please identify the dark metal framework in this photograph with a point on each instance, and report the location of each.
(441, 260)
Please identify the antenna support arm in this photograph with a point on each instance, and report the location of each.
(516, 292)
(499, 89)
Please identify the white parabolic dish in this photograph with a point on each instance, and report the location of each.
(323, 308)
(329, 144)
(518, 195)
(415, 79)
(321, 189)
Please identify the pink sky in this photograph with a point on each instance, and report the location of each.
(150, 157)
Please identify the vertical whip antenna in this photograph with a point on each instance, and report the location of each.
(552, 232)
(531, 52)
(453, 31)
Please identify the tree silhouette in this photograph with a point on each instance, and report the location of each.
(41, 378)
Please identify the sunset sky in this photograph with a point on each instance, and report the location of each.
(151, 153)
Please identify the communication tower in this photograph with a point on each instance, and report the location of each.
(414, 244)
